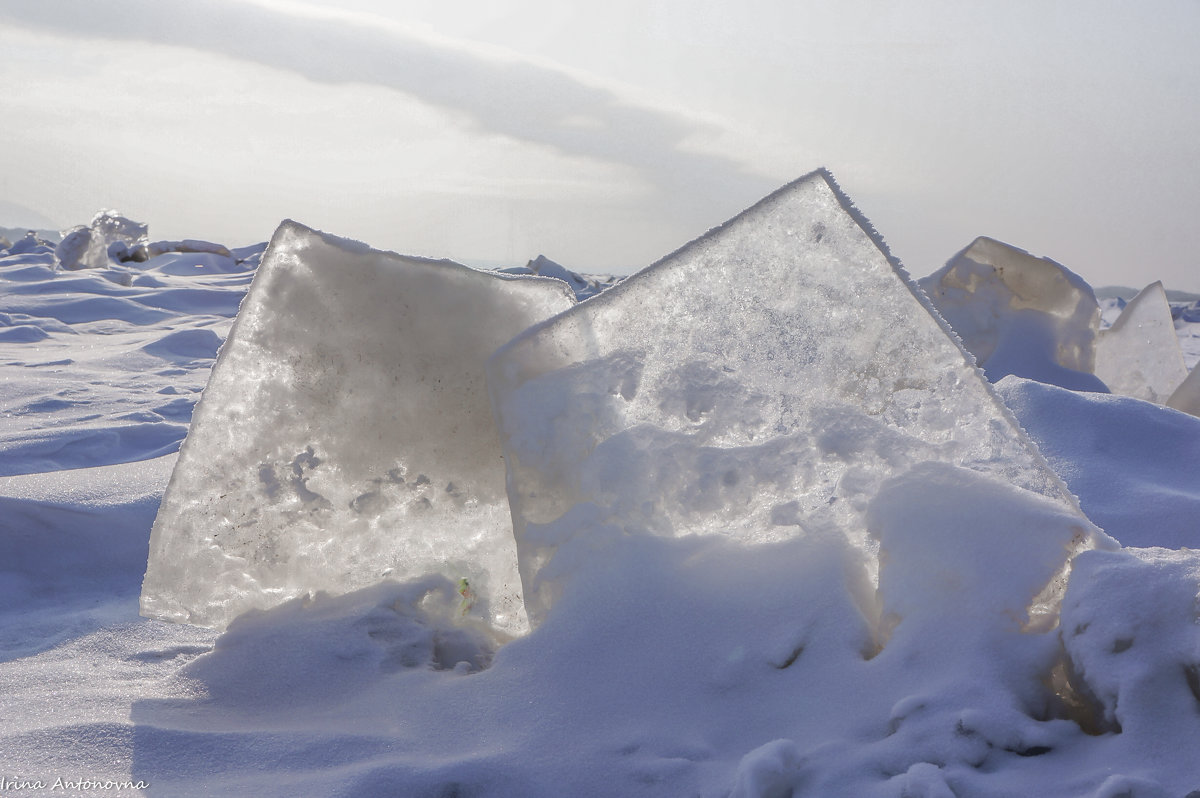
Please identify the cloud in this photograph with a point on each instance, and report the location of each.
(499, 93)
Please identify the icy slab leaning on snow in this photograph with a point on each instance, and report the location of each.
(1139, 355)
(761, 382)
(1019, 314)
(1186, 397)
(345, 436)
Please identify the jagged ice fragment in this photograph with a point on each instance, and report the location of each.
(1139, 355)
(1186, 398)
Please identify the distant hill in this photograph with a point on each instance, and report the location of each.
(1127, 293)
(15, 234)
(23, 217)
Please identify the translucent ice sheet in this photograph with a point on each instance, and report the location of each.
(345, 437)
(1139, 355)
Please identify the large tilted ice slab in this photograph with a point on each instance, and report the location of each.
(345, 436)
(1139, 355)
(761, 382)
(1019, 314)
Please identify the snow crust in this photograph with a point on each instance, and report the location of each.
(345, 437)
(1132, 634)
(1019, 314)
(690, 400)
(1139, 354)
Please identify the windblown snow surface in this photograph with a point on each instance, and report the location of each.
(688, 666)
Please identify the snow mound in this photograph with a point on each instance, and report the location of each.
(956, 544)
(1139, 355)
(186, 345)
(1019, 314)
(362, 636)
(345, 436)
(1132, 634)
(692, 400)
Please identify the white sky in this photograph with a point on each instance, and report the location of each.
(605, 135)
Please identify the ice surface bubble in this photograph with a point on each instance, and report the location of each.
(1139, 355)
(761, 382)
(345, 436)
(1019, 314)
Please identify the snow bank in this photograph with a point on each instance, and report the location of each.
(1019, 314)
(961, 690)
(345, 437)
(1131, 463)
(360, 637)
(692, 400)
(1132, 635)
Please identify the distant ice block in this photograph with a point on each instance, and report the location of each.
(110, 236)
(761, 383)
(1139, 355)
(149, 250)
(1187, 396)
(345, 437)
(1019, 314)
(585, 286)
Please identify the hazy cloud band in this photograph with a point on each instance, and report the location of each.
(517, 98)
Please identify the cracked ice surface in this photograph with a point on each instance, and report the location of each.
(345, 436)
(691, 399)
(1139, 355)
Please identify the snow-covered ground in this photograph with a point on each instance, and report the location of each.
(680, 666)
